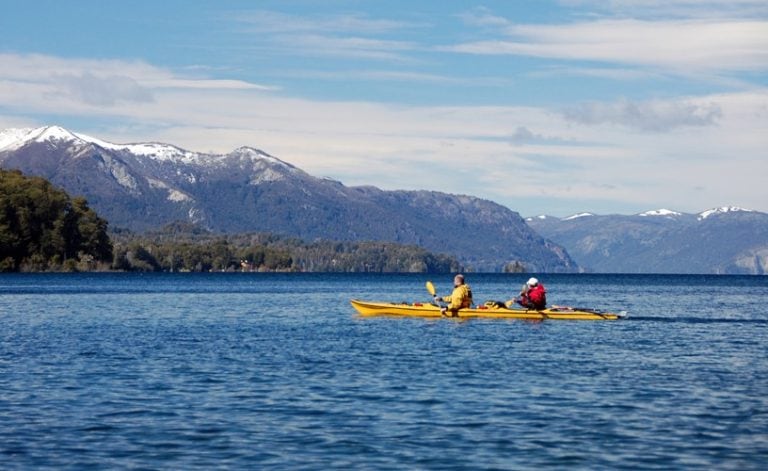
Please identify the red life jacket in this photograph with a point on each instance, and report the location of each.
(538, 297)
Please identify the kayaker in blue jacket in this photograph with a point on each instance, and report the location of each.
(461, 297)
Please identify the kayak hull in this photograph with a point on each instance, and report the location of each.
(374, 308)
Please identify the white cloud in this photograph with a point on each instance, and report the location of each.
(341, 35)
(679, 46)
(207, 84)
(612, 73)
(523, 135)
(482, 16)
(355, 47)
(54, 71)
(104, 90)
(504, 153)
(655, 116)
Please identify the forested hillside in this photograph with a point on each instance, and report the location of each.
(43, 228)
(184, 247)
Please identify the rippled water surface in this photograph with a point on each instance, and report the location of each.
(183, 371)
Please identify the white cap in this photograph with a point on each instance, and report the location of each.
(533, 282)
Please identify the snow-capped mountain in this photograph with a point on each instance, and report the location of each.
(722, 210)
(719, 240)
(577, 216)
(146, 185)
(159, 181)
(660, 212)
(12, 139)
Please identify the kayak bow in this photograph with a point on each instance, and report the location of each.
(372, 308)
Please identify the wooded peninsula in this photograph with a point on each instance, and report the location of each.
(42, 228)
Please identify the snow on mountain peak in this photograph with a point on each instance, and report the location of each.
(660, 212)
(56, 133)
(576, 216)
(16, 137)
(11, 139)
(153, 150)
(722, 210)
(52, 133)
(159, 151)
(257, 154)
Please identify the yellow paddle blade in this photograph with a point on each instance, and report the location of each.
(431, 288)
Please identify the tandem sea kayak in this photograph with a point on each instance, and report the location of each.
(372, 308)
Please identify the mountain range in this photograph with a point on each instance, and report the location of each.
(147, 185)
(725, 240)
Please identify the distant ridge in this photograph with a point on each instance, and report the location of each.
(141, 186)
(577, 216)
(724, 240)
(722, 210)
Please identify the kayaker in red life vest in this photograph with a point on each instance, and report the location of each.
(533, 295)
(461, 297)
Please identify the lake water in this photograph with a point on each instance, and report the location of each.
(188, 371)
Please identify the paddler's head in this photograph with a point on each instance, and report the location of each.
(458, 280)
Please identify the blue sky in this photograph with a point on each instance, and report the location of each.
(547, 107)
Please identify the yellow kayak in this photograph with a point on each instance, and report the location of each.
(371, 308)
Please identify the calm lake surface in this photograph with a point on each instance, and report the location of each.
(275, 371)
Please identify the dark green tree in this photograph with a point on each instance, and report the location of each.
(42, 228)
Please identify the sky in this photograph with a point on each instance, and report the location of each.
(546, 107)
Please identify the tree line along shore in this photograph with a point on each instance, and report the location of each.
(43, 229)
